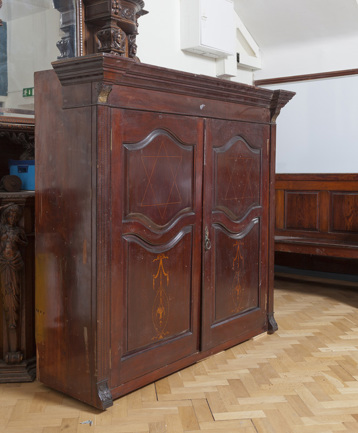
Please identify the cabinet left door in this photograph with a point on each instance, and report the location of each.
(156, 195)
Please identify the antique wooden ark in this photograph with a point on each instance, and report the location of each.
(154, 233)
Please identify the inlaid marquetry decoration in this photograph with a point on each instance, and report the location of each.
(160, 309)
(239, 164)
(238, 262)
(158, 166)
(235, 190)
(159, 178)
(238, 265)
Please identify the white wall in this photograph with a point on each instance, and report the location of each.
(317, 131)
(159, 42)
(322, 55)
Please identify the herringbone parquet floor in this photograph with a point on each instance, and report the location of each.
(302, 379)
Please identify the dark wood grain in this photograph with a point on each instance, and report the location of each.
(306, 77)
(152, 226)
(22, 368)
(16, 134)
(236, 221)
(316, 214)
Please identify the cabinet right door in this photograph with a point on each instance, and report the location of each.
(235, 232)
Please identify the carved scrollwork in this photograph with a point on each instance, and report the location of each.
(67, 44)
(65, 48)
(132, 47)
(112, 40)
(128, 14)
(117, 29)
(103, 92)
(25, 139)
(116, 7)
(12, 238)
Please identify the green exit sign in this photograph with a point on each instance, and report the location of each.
(27, 92)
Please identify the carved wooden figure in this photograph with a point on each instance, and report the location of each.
(111, 26)
(17, 334)
(12, 237)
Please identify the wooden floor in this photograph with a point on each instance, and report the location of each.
(302, 379)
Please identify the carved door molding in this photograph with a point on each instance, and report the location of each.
(158, 243)
(175, 251)
(235, 244)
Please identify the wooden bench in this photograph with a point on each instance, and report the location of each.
(316, 215)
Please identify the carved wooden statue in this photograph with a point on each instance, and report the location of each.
(12, 237)
(119, 25)
(109, 26)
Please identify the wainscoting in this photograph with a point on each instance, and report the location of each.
(317, 221)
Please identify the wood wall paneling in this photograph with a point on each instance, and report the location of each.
(344, 212)
(301, 210)
(316, 214)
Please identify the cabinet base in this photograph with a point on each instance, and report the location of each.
(23, 372)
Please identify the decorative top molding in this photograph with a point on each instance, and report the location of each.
(322, 178)
(114, 70)
(278, 101)
(307, 77)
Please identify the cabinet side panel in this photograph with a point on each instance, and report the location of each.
(63, 241)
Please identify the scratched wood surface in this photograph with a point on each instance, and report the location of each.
(302, 379)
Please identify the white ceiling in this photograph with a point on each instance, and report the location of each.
(278, 22)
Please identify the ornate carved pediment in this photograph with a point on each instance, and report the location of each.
(278, 101)
(90, 26)
(116, 22)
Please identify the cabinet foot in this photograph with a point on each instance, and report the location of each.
(24, 371)
(272, 324)
(104, 394)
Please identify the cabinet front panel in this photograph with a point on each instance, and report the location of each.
(237, 174)
(159, 178)
(156, 236)
(235, 244)
(236, 272)
(158, 292)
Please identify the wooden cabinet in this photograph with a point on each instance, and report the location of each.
(17, 247)
(153, 240)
